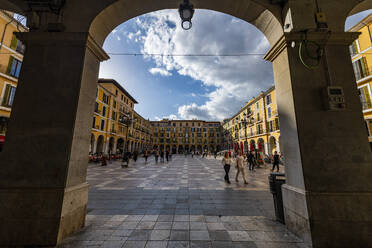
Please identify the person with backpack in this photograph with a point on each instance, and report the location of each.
(276, 161)
(250, 159)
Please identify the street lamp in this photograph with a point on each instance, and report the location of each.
(186, 11)
(127, 120)
(245, 123)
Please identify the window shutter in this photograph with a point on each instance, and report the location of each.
(6, 96)
(356, 70)
(11, 61)
(14, 42)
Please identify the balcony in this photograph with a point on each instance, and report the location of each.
(359, 75)
(367, 105)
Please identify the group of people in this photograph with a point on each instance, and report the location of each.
(240, 162)
(161, 153)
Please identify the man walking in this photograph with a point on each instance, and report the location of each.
(276, 161)
(250, 159)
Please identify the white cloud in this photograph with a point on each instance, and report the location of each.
(160, 71)
(234, 79)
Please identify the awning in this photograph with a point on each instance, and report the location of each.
(2, 138)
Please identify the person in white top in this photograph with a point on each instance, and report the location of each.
(240, 166)
(226, 162)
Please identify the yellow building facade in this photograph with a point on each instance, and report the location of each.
(115, 125)
(255, 127)
(361, 54)
(179, 136)
(11, 56)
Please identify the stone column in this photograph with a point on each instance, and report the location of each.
(328, 192)
(114, 147)
(43, 192)
(95, 146)
(278, 145)
(266, 148)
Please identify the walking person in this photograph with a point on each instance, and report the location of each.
(146, 155)
(162, 156)
(170, 155)
(226, 162)
(126, 157)
(276, 161)
(135, 156)
(157, 156)
(103, 160)
(240, 166)
(250, 159)
(167, 155)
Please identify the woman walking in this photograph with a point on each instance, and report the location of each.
(135, 156)
(146, 155)
(157, 156)
(240, 161)
(226, 162)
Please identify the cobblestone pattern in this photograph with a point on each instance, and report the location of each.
(184, 203)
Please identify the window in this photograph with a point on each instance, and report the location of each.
(353, 49)
(365, 97)
(114, 104)
(269, 112)
(104, 111)
(105, 98)
(14, 67)
(17, 45)
(268, 99)
(114, 116)
(258, 105)
(102, 125)
(8, 95)
(94, 122)
(116, 92)
(361, 68)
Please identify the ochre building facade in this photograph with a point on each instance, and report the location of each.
(361, 54)
(11, 57)
(255, 127)
(181, 136)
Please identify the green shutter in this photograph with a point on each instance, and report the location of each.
(14, 43)
(11, 60)
(6, 96)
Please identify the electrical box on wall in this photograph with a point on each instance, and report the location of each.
(334, 98)
(298, 18)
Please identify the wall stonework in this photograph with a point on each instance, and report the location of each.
(45, 153)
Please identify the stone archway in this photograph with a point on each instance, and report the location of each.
(120, 145)
(92, 146)
(81, 40)
(272, 145)
(100, 144)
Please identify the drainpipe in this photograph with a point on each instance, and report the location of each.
(3, 35)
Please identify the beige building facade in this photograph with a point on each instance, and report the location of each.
(181, 136)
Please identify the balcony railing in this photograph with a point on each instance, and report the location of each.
(367, 105)
(363, 74)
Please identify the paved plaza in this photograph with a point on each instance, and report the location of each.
(180, 204)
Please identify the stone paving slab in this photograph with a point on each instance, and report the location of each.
(181, 204)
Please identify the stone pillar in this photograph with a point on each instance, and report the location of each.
(44, 193)
(328, 192)
(266, 148)
(277, 145)
(114, 147)
(94, 146)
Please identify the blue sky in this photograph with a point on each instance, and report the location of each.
(209, 88)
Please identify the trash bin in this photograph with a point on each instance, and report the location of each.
(276, 181)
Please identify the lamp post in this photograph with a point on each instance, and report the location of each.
(186, 11)
(127, 120)
(245, 123)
